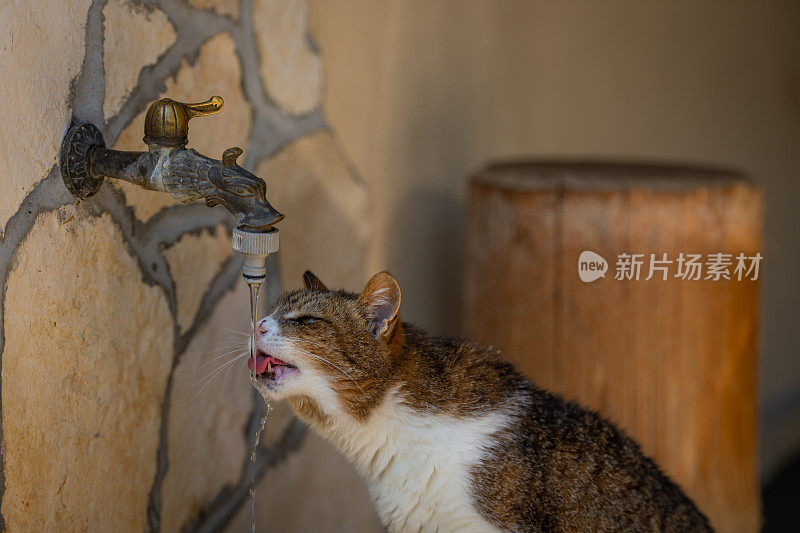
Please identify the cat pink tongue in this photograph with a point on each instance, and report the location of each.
(261, 364)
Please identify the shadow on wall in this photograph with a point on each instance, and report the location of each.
(436, 145)
(427, 252)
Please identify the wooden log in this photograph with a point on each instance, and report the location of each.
(673, 361)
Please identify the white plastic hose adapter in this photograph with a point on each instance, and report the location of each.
(255, 247)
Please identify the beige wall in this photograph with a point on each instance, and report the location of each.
(421, 94)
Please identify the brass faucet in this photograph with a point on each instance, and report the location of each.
(169, 166)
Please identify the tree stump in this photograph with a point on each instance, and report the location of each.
(672, 361)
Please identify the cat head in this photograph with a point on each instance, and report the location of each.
(330, 353)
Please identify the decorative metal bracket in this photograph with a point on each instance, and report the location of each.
(78, 141)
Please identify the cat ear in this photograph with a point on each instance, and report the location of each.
(312, 282)
(381, 298)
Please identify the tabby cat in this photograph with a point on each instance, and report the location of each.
(446, 433)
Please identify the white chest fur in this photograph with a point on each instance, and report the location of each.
(417, 466)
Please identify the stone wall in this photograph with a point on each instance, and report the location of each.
(120, 312)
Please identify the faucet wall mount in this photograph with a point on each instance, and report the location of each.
(169, 166)
(80, 139)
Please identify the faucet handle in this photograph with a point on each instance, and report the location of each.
(167, 121)
(209, 107)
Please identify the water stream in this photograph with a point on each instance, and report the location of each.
(267, 407)
(254, 287)
(261, 425)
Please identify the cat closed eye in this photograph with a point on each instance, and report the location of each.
(305, 319)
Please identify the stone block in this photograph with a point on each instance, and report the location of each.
(290, 67)
(194, 260)
(41, 51)
(125, 52)
(87, 353)
(327, 226)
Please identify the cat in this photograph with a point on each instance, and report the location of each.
(446, 433)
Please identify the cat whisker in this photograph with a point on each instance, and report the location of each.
(228, 345)
(228, 373)
(231, 337)
(243, 333)
(211, 378)
(219, 357)
(212, 374)
(332, 365)
(221, 340)
(315, 344)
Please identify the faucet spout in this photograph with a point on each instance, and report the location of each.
(188, 176)
(168, 166)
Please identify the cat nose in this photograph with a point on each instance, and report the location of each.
(261, 327)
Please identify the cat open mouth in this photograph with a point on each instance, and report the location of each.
(271, 368)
